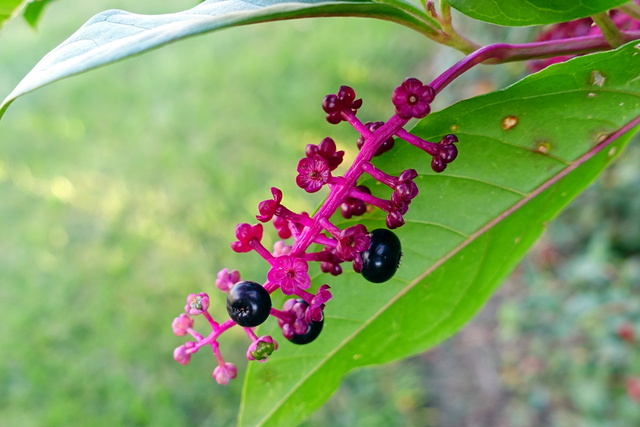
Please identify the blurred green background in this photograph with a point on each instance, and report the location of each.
(120, 189)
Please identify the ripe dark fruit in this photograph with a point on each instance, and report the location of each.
(248, 304)
(313, 331)
(381, 260)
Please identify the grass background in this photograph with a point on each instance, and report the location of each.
(120, 190)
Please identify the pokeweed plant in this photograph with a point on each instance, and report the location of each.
(467, 189)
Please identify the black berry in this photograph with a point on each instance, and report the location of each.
(381, 260)
(313, 331)
(248, 304)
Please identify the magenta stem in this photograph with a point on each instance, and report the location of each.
(332, 229)
(213, 336)
(252, 335)
(321, 239)
(323, 256)
(370, 199)
(216, 351)
(270, 287)
(214, 325)
(383, 177)
(503, 52)
(350, 117)
(306, 296)
(430, 148)
(264, 252)
(289, 215)
(194, 334)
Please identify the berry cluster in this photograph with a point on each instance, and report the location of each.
(375, 254)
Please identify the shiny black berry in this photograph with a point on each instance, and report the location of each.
(248, 304)
(381, 260)
(313, 331)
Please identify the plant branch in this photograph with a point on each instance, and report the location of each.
(503, 52)
(631, 9)
(609, 30)
(447, 35)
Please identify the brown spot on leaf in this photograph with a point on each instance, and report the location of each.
(509, 122)
(597, 79)
(543, 147)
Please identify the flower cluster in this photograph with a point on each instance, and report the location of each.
(301, 319)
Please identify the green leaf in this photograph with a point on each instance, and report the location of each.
(33, 11)
(516, 13)
(8, 8)
(114, 35)
(466, 230)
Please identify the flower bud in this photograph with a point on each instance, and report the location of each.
(182, 354)
(224, 373)
(181, 324)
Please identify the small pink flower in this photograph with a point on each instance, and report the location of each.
(267, 208)
(352, 241)
(412, 99)
(245, 233)
(225, 373)
(327, 150)
(262, 348)
(197, 303)
(227, 279)
(314, 311)
(282, 227)
(290, 273)
(313, 173)
(181, 324)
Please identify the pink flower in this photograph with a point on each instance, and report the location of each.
(282, 227)
(245, 233)
(352, 241)
(313, 173)
(267, 208)
(290, 273)
(197, 303)
(314, 311)
(412, 99)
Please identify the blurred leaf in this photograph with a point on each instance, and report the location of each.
(113, 35)
(467, 229)
(33, 11)
(515, 13)
(8, 8)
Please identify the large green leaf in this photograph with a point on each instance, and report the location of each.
(533, 12)
(467, 228)
(115, 34)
